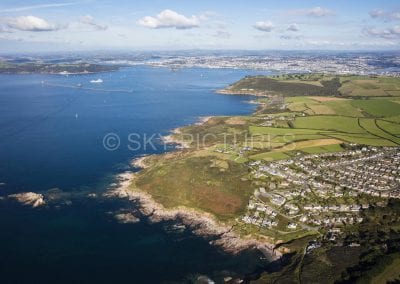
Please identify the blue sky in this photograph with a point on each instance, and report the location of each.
(190, 24)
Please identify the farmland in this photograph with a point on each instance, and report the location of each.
(305, 124)
(378, 108)
(359, 86)
(210, 175)
(291, 85)
(329, 123)
(230, 166)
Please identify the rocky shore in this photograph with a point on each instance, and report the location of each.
(29, 198)
(139, 162)
(244, 92)
(173, 138)
(126, 218)
(202, 120)
(201, 223)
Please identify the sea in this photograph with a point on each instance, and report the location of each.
(68, 138)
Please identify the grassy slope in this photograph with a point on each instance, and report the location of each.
(378, 108)
(204, 183)
(287, 86)
(364, 86)
(371, 127)
(392, 128)
(329, 123)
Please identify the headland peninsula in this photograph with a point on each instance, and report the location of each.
(311, 178)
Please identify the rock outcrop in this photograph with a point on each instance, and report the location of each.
(201, 223)
(29, 198)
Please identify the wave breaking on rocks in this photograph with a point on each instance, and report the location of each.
(200, 223)
(29, 198)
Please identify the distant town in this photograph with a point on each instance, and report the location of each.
(361, 63)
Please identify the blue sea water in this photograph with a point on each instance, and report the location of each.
(52, 131)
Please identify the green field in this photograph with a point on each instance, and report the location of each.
(378, 108)
(354, 128)
(366, 139)
(323, 149)
(270, 156)
(345, 108)
(320, 85)
(393, 128)
(332, 123)
(395, 119)
(297, 137)
(371, 127)
(364, 86)
(287, 86)
(204, 183)
(262, 130)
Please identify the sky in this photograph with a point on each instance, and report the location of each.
(40, 25)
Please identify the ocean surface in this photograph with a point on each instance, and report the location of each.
(55, 139)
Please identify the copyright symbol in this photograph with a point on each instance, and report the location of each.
(111, 141)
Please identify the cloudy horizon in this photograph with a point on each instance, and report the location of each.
(288, 25)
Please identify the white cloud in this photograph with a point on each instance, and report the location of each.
(293, 27)
(89, 20)
(265, 26)
(40, 6)
(30, 23)
(319, 12)
(170, 19)
(386, 16)
(222, 35)
(388, 33)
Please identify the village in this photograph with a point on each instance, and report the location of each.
(322, 191)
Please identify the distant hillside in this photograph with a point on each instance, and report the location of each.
(263, 85)
(290, 85)
(46, 68)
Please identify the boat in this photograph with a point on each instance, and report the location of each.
(98, 81)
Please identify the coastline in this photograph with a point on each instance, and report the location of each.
(180, 144)
(202, 224)
(203, 120)
(140, 162)
(228, 91)
(171, 139)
